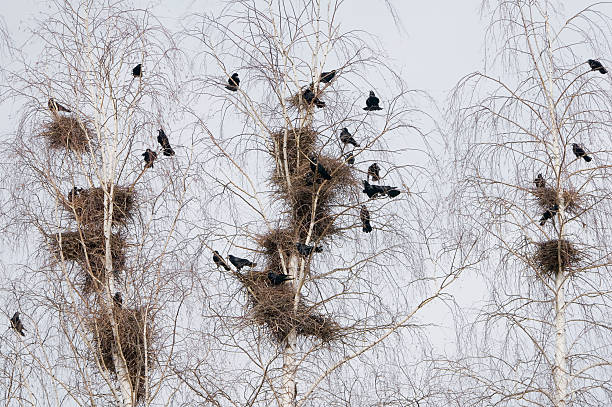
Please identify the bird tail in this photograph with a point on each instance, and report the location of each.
(603, 71)
(587, 158)
(232, 88)
(367, 228)
(393, 193)
(318, 249)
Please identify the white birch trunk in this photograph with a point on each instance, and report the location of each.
(289, 393)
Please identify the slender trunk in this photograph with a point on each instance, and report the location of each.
(289, 387)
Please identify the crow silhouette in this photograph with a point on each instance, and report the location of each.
(317, 168)
(349, 158)
(364, 214)
(310, 98)
(374, 172)
(17, 325)
(372, 102)
(306, 249)
(579, 152)
(56, 107)
(73, 193)
(240, 263)
(219, 261)
(137, 71)
(233, 82)
(549, 214)
(539, 181)
(373, 191)
(118, 299)
(149, 157)
(326, 77)
(162, 139)
(597, 66)
(278, 278)
(347, 138)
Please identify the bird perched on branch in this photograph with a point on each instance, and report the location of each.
(219, 261)
(162, 139)
(326, 77)
(17, 325)
(349, 158)
(549, 214)
(539, 181)
(73, 193)
(306, 249)
(597, 66)
(240, 263)
(310, 98)
(373, 191)
(233, 82)
(118, 299)
(278, 278)
(317, 168)
(580, 153)
(374, 172)
(372, 102)
(56, 107)
(149, 156)
(347, 138)
(364, 214)
(137, 71)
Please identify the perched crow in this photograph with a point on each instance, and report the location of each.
(349, 158)
(233, 82)
(372, 102)
(17, 325)
(56, 107)
(162, 139)
(278, 279)
(137, 71)
(326, 77)
(240, 263)
(374, 172)
(149, 157)
(306, 249)
(597, 66)
(219, 261)
(372, 191)
(347, 138)
(365, 219)
(317, 168)
(310, 98)
(74, 192)
(579, 151)
(539, 181)
(390, 191)
(549, 214)
(118, 299)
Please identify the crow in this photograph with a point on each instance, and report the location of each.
(219, 261)
(540, 182)
(317, 168)
(118, 299)
(149, 157)
(162, 139)
(233, 82)
(390, 191)
(56, 107)
(306, 249)
(137, 71)
(310, 98)
(17, 325)
(579, 151)
(349, 158)
(74, 192)
(365, 219)
(597, 66)
(374, 172)
(278, 278)
(326, 77)
(240, 263)
(549, 214)
(347, 138)
(372, 191)
(372, 102)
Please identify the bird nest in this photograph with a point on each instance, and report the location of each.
(135, 339)
(300, 143)
(547, 197)
(88, 205)
(68, 132)
(552, 255)
(275, 243)
(87, 248)
(274, 308)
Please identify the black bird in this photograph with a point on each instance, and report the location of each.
(56, 107)
(579, 151)
(74, 192)
(16, 324)
(162, 139)
(317, 168)
(365, 219)
(278, 278)
(540, 182)
(372, 191)
(137, 71)
(310, 98)
(219, 261)
(549, 214)
(233, 82)
(597, 66)
(149, 157)
(306, 249)
(349, 158)
(118, 299)
(347, 138)
(390, 191)
(374, 172)
(240, 263)
(372, 102)
(326, 77)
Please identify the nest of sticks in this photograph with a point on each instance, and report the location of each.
(135, 339)
(274, 308)
(547, 197)
(278, 244)
(69, 133)
(87, 248)
(552, 255)
(88, 205)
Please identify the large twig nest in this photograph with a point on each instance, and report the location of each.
(291, 144)
(547, 198)
(88, 205)
(68, 133)
(275, 243)
(554, 254)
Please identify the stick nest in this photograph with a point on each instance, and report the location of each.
(67, 132)
(274, 243)
(88, 206)
(87, 248)
(135, 336)
(554, 254)
(273, 307)
(547, 198)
